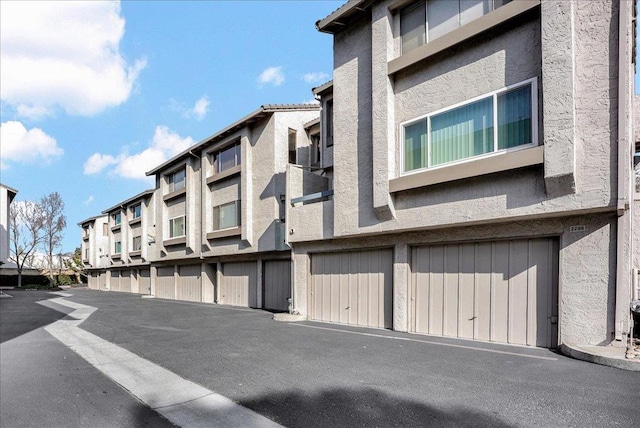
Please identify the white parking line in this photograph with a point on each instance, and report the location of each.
(430, 342)
(182, 402)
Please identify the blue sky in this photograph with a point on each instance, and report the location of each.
(95, 94)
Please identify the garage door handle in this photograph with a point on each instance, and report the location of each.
(554, 320)
(348, 307)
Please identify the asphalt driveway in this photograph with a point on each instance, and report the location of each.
(320, 375)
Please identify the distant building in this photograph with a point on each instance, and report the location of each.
(7, 194)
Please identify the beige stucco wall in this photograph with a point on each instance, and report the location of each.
(4, 224)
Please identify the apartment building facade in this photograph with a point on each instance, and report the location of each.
(94, 249)
(212, 230)
(7, 194)
(481, 174)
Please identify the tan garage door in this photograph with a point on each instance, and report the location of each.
(239, 284)
(114, 284)
(353, 287)
(144, 281)
(94, 281)
(125, 281)
(502, 291)
(189, 286)
(165, 283)
(277, 284)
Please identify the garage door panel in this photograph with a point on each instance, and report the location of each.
(165, 283)
(500, 292)
(239, 284)
(125, 281)
(351, 287)
(483, 303)
(189, 286)
(277, 284)
(503, 291)
(466, 291)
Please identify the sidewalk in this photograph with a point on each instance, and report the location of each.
(605, 355)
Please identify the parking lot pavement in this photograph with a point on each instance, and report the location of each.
(315, 374)
(45, 384)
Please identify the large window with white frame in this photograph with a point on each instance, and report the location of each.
(117, 247)
(227, 158)
(117, 219)
(226, 216)
(500, 121)
(177, 227)
(425, 20)
(177, 180)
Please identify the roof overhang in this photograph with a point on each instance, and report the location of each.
(341, 17)
(139, 196)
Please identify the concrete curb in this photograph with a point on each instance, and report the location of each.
(5, 295)
(576, 352)
(289, 317)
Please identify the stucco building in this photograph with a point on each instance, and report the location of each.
(481, 173)
(7, 194)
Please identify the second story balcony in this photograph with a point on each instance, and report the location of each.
(309, 204)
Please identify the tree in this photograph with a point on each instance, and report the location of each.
(54, 222)
(76, 265)
(26, 225)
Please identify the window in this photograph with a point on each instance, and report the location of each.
(328, 117)
(426, 20)
(226, 216)
(86, 253)
(105, 229)
(117, 219)
(177, 180)
(137, 243)
(500, 121)
(176, 227)
(117, 247)
(315, 148)
(136, 211)
(227, 158)
(293, 146)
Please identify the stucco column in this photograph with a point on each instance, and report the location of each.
(258, 284)
(382, 112)
(217, 293)
(400, 287)
(246, 191)
(300, 281)
(558, 108)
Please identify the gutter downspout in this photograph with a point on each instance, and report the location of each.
(622, 313)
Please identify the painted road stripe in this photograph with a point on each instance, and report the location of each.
(182, 402)
(430, 342)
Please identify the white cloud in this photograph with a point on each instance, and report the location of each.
(272, 75)
(97, 162)
(201, 107)
(22, 145)
(64, 55)
(316, 77)
(89, 200)
(164, 145)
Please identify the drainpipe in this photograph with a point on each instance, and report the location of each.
(622, 273)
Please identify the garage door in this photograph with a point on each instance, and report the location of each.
(277, 285)
(144, 281)
(165, 283)
(125, 281)
(94, 281)
(114, 284)
(353, 287)
(239, 284)
(189, 286)
(503, 291)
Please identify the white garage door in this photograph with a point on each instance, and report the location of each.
(114, 284)
(277, 284)
(189, 287)
(125, 281)
(239, 287)
(144, 281)
(502, 291)
(353, 287)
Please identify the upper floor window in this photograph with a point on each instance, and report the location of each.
(315, 148)
(227, 158)
(328, 118)
(177, 227)
(426, 20)
(226, 216)
(177, 180)
(293, 146)
(105, 229)
(117, 247)
(498, 121)
(136, 211)
(136, 244)
(86, 253)
(117, 219)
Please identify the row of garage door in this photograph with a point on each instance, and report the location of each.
(238, 283)
(501, 291)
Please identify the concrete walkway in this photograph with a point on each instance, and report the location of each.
(604, 355)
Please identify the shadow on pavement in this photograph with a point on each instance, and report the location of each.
(362, 407)
(21, 314)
